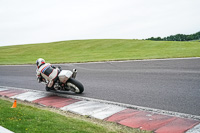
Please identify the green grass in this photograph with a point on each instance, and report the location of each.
(97, 50)
(24, 119)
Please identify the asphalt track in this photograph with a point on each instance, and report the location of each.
(172, 85)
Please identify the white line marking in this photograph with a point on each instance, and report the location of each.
(4, 130)
(195, 129)
(3, 89)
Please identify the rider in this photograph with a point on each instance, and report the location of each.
(46, 73)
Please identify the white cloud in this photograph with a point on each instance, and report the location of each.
(26, 21)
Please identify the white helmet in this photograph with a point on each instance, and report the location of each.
(39, 62)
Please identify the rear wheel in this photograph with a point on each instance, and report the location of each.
(75, 86)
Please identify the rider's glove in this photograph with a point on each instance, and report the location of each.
(53, 67)
(59, 68)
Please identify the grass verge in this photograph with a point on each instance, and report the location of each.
(29, 118)
(97, 50)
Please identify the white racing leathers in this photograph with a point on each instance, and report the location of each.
(47, 72)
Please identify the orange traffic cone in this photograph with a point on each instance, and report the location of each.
(14, 104)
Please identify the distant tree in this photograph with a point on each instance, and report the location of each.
(155, 39)
(177, 37)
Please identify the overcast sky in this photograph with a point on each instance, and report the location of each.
(37, 21)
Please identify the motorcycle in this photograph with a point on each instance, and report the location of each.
(66, 82)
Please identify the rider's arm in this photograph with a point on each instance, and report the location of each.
(39, 76)
(38, 73)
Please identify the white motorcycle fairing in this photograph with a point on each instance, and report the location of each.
(64, 75)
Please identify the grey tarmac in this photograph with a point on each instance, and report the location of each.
(172, 84)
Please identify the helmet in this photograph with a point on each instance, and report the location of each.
(39, 62)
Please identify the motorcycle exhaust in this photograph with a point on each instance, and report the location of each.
(74, 73)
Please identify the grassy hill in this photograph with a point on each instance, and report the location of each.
(97, 50)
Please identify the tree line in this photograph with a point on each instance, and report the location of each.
(177, 37)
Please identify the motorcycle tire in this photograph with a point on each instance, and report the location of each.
(78, 87)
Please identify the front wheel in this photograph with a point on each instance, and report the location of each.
(75, 86)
